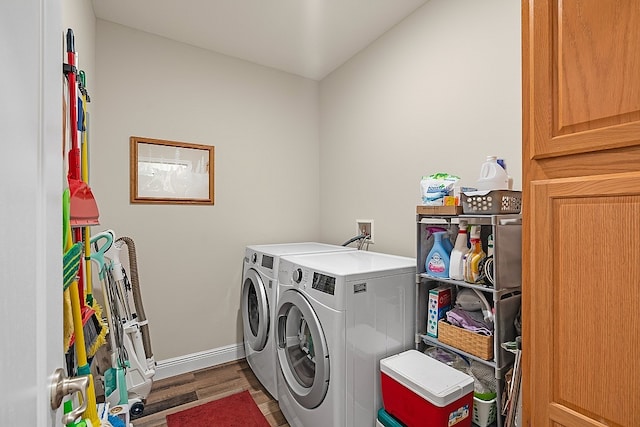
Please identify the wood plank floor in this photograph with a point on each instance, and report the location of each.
(194, 388)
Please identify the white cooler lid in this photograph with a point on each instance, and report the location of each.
(434, 381)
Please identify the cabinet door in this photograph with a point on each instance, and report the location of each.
(584, 69)
(581, 215)
(584, 293)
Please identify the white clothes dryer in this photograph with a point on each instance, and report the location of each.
(259, 300)
(338, 315)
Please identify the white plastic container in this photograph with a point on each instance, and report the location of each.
(460, 249)
(484, 412)
(492, 176)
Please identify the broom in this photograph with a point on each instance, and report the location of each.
(84, 207)
(97, 324)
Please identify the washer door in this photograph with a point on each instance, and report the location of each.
(255, 310)
(302, 350)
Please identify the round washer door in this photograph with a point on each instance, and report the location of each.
(302, 350)
(255, 310)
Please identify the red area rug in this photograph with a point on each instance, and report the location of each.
(236, 410)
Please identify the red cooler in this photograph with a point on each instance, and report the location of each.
(422, 392)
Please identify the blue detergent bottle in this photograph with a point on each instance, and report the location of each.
(437, 262)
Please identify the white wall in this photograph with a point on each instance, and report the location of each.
(295, 159)
(437, 93)
(264, 126)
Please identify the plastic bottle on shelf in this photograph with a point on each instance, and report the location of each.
(437, 262)
(492, 176)
(456, 263)
(446, 241)
(475, 258)
(502, 163)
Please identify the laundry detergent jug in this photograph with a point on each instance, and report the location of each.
(492, 176)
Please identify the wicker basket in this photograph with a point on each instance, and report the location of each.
(492, 203)
(476, 344)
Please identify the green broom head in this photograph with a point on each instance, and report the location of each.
(71, 264)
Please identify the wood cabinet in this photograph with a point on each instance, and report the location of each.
(581, 214)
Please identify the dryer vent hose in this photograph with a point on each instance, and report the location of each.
(137, 295)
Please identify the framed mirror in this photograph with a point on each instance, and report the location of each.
(169, 172)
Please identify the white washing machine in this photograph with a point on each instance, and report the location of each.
(259, 300)
(338, 314)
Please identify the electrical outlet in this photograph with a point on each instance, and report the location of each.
(365, 226)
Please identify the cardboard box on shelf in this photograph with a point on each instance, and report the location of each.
(439, 303)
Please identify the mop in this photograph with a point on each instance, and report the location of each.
(72, 257)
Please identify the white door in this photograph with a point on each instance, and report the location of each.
(30, 210)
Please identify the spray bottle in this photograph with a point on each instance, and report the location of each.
(437, 263)
(475, 258)
(446, 242)
(456, 265)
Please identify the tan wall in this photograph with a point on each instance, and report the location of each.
(437, 93)
(78, 15)
(264, 126)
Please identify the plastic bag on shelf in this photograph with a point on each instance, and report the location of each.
(449, 358)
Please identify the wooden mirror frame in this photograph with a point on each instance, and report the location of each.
(170, 172)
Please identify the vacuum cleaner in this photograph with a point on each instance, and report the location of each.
(128, 380)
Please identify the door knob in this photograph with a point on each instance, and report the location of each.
(62, 386)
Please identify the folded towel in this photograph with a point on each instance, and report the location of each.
(469, 320)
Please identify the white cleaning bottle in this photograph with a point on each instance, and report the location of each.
(492, 176)
(456, 261)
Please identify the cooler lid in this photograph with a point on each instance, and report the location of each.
(434, 381)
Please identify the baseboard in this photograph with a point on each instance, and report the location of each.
(192, 362)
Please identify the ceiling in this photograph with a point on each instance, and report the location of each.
(309, 38)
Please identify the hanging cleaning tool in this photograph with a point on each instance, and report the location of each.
(91, 413)
(83, 207)
(88, 294)
(137, 298)
(140, 365)
(71, 264)
(115, 384)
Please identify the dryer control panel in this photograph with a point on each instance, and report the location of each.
(324, 283)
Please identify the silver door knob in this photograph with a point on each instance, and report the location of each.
(62, 386)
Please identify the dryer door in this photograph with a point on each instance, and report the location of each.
(302, 350)
(255, 310)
